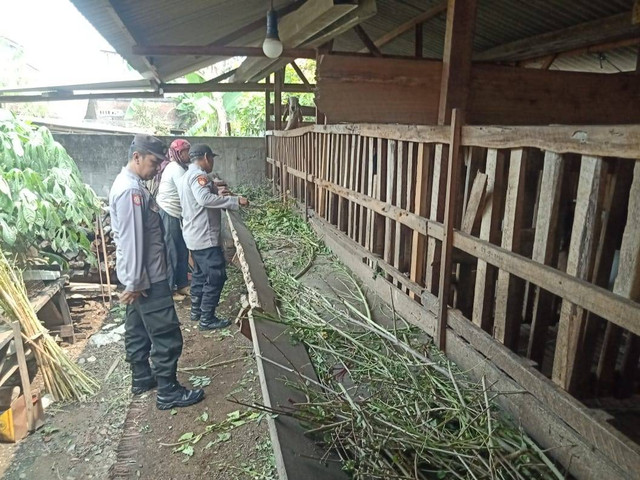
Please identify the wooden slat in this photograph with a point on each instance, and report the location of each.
(471, 213)
(400, 194)
(392, 150)
(543, 249)
(453, 174)
(489, 231)
(438, 192)
(579, 264)
(509, 290)
(422, 196)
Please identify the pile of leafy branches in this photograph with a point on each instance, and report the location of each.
(390, 405)
(45, 208)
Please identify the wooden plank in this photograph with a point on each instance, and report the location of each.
(391, 160)
(295, 454)
(544, 249)
(24, 376)
(526, 96)
(489, 231)
(456, 58)
(579, 264)
(378, 90)
(453, 174)
(549, 414)
(41, 298)
(612, 307)
(509, 290)
(471, 214)
(400, 194)
(582, 35)
(438, 193)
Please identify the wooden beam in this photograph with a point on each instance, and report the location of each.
(277, 100)
(217, 50)
(375, 51)
(453, 174)
(456, 59)
(80, 96)
(419, 40)
(406, 26)
(228, 87)
(602, 47)
(300, 73)
(616, 27)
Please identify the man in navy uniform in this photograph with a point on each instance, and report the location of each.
(201, 203)
(152, 329)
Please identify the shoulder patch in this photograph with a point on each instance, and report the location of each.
(137, 199)
(203, 180)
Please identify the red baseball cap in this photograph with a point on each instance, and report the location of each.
(180, 144)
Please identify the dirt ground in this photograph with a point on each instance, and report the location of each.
(117, 436)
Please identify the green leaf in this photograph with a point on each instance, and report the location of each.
(186, 436)
(224, 437)
(204, 417)
(173, 411)
(234, 415)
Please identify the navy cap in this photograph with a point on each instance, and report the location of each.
(200, 150)
(150, 144)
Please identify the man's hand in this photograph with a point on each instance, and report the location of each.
(224, 191)
(219, 183)
(243, 202)
(129, 297)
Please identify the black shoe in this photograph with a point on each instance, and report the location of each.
(213, 323)
(195, 308)
(141, 385)
(175, 395)
(142, 378)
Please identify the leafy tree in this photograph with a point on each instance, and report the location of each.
(43, 203)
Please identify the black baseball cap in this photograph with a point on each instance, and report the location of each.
(200, 150)
(150, 144)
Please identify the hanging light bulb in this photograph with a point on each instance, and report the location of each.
(272, 46)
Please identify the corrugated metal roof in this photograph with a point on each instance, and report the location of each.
(201, 22)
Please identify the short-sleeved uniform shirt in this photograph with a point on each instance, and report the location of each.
(137, 231)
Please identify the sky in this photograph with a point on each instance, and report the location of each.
(60, 42)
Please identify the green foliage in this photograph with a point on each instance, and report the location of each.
(246, 113)
(148, 115)
(43, 202)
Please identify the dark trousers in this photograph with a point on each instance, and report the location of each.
(177, 252)
(152, 330)
(208, 277)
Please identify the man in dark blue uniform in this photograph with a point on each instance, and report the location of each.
(152, 329)
(202, 203)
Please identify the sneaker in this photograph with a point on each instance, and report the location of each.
(214, 323)
(175, 395)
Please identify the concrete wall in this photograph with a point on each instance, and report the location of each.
(100, 157)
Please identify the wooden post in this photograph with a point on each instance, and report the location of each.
(24, 373)
(419, 40)
(456, 59)
(389, 238)
(544, 249)
(579, 263)
(510, 289)
(447, 239)
(277, 99)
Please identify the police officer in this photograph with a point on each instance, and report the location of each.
(201, 203)
(152, 329)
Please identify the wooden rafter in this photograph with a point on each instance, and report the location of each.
(603, 47)
(217, 50)
(375, 51)
(300, 73)
(408, 25)
(597, 32)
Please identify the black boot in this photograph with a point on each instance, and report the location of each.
(171, 394)
(209, 321)
(142, 379)
(195, 308)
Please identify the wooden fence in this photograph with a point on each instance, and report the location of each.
(528, 235)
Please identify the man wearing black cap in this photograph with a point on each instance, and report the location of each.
(201, 203)
(152, 329)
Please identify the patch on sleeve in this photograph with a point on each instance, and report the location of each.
(137, 199)
(203, 180)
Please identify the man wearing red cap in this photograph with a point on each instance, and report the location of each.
(169, 201)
